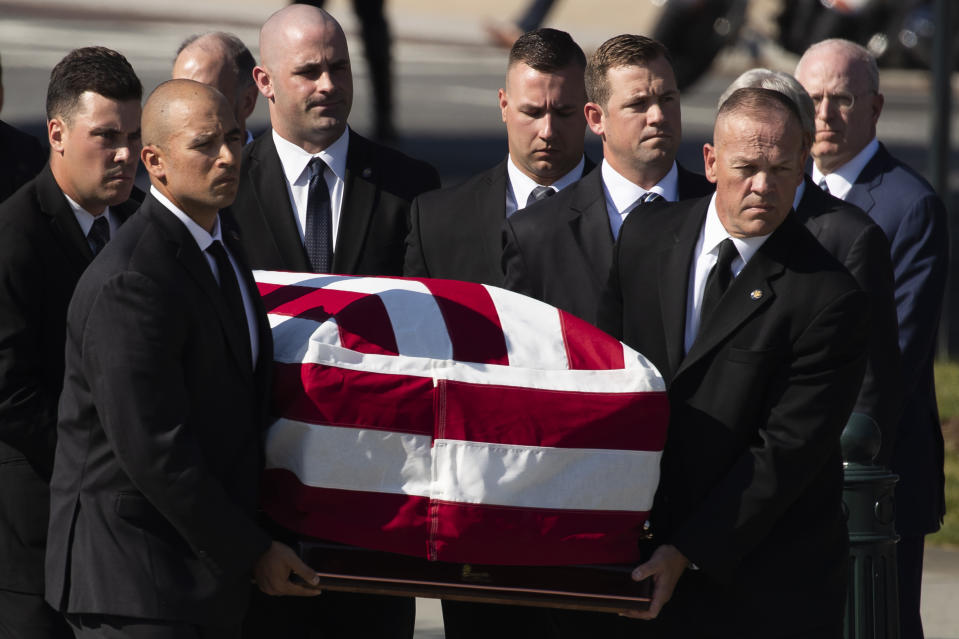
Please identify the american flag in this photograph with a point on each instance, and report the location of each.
(457, 422)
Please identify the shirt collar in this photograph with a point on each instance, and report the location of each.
(625, 193)
(841, 180)
(295, 160)
(523, 185)
(714, 232)
(203, 239)
(85, 218)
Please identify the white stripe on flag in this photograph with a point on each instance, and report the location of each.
(351, 458)
(465, 472)
(637, 380)
(534, 337)
(418, 323)
(539, 477)
(293, 337)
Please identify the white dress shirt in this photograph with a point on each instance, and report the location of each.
(705, 256)
(519, 185)
(204, 240)
(296, 167)
(622, 195)
(841, 180)
(86, 219)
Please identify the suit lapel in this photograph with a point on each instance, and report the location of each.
(869, 178)
(269, 184)
(264, 333)
(751, 291)
(673, 279)
(189, 255)
(359, 197)
(65, 226)
(589, 224)
(487, 224)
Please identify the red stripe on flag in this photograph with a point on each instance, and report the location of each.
(332, 396)
(471, 321)
(361, 318)
(379, 521)
(563, 419)
(485, 534)
(587, 347)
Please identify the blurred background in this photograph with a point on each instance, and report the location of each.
(449, 60)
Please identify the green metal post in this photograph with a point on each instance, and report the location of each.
(872, 605)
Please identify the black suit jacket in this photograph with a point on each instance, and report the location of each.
(380, 184)
(914, 220)
(42, 254)
(751, 480)
(21, 159)
(559, 250)
(159, 452)
(457, 233)
(855, 240)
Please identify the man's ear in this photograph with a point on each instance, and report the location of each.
(56, 132)
(709, 162)
(264, 83)
(153, 161)
(594, 118)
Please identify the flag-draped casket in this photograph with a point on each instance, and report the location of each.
(457, 422)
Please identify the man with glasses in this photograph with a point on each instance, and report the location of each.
(850, 163)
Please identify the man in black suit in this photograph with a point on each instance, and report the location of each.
(49, 232)
(457, 232)
(316, 197)
(21, 155)
(859, 243)
(168, 361)
(849, 161)
(760, 335)
(356, 224)
(559, 251)
(221, 60)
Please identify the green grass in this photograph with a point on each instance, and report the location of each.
(947, 394)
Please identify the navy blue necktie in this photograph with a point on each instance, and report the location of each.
(649, 196)
(230, 288)
(99, 234)
(318, 236)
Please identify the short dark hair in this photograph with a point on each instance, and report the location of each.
(546, 50)
(758, 101)
(98, 69)
(241, 60)
(619, 51)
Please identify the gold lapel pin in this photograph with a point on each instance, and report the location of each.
(755, 294)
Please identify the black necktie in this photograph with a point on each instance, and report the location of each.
(230, 288)
(99, 234)
(318, 237)
(824, 185)
(540, 193)
(718, 280)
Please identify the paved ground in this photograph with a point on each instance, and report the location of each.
(447, 79)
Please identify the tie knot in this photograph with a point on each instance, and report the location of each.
(540, 193)
(649, 196)
(317, 167)
(727, 253)
(824, 185)
(99, 234)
